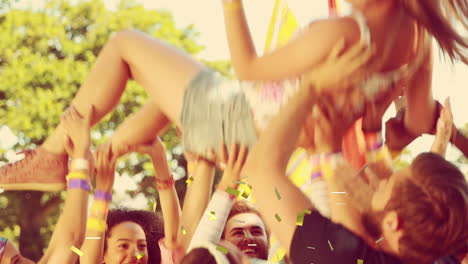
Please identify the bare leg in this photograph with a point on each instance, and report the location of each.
(164, 72)
(141, 127)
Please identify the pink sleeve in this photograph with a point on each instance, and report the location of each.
(170, 256)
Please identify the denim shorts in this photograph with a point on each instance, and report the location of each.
(214, 111)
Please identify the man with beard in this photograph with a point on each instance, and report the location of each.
(417, 215)
(246, 230)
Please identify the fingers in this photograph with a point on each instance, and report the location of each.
(68, 145)
(223, 156)
(242, 157)
(233, 152)
(337, 49)
(90, 114)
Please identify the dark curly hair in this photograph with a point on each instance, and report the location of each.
(150, 222)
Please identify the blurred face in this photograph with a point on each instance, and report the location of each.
(380, 222)
(247, 232)
(126, 241)
(12, 255)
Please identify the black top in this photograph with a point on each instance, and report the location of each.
(320, 241)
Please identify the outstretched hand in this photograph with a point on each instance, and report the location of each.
(340, 70)
(77, 132)
(234, 161)
(105, 167)
(444, 129)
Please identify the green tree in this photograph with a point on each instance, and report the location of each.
(44, 57)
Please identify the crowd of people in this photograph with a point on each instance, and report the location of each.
(306, 94)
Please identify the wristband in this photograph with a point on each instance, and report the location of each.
(77, 175)
(96, 224)
(79, 184)
(80, 164)
(99, 208)
(102, 195)
(162, 185)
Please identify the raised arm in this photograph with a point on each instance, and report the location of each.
(70, 227)
(196, 199)
(294, 59)
(93, 246)
(266, 164)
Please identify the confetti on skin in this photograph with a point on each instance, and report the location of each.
(247, 189)
(278, 217)
(360, 261)
(222, 250)
(277, 194)
(189, 180)
(245, 233)
(300, 219)
(233, 191)
(76, 250)
(212, 215)
(184, 232)
(379, 240)
(331, 247)
(140, 255)
(93, 238)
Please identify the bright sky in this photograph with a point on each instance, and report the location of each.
(207, 16)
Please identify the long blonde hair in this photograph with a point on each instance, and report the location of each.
(440, 19)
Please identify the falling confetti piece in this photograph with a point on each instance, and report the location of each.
(245, 233)
(76, 250)
(300, 219)
(239, 182)
(252, 245)
(330, 245)
(232, 191)
(189, 180)
(278, 217)
(246, 190)
(152, 205)
(277, 194)
(222, 250)
(338, 192)
(140, 255)
(311, 248)
(212, 215)
(380, 239)
(307, 211)
(93, 238)
(183, 231)
(360, 261)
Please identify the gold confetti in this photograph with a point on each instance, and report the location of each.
(140, 255)
(212, 215)
(76, 250)
(152, 205)
(278, 217)
(189, 180)
(300, 219)
(379, 240)
(222, 250)
(307, 211)
(277, 194)
(246, 190)
(184, 232)
(360, 261)
(233, 191)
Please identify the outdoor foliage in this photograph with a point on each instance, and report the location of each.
(44, 57)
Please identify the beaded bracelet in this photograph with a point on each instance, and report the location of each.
(77, 175)
(102, 195)
(79, 184)
(96, 224)
(162, 185)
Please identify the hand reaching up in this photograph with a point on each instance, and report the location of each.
(234, 161)
(77, 132)
(105, 167)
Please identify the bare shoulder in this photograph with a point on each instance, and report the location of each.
(336, 28)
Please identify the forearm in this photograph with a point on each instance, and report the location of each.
(240, 42)
(211, 228)
(196, 200)
(95, 236)
(168, 199)
(70, 227)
